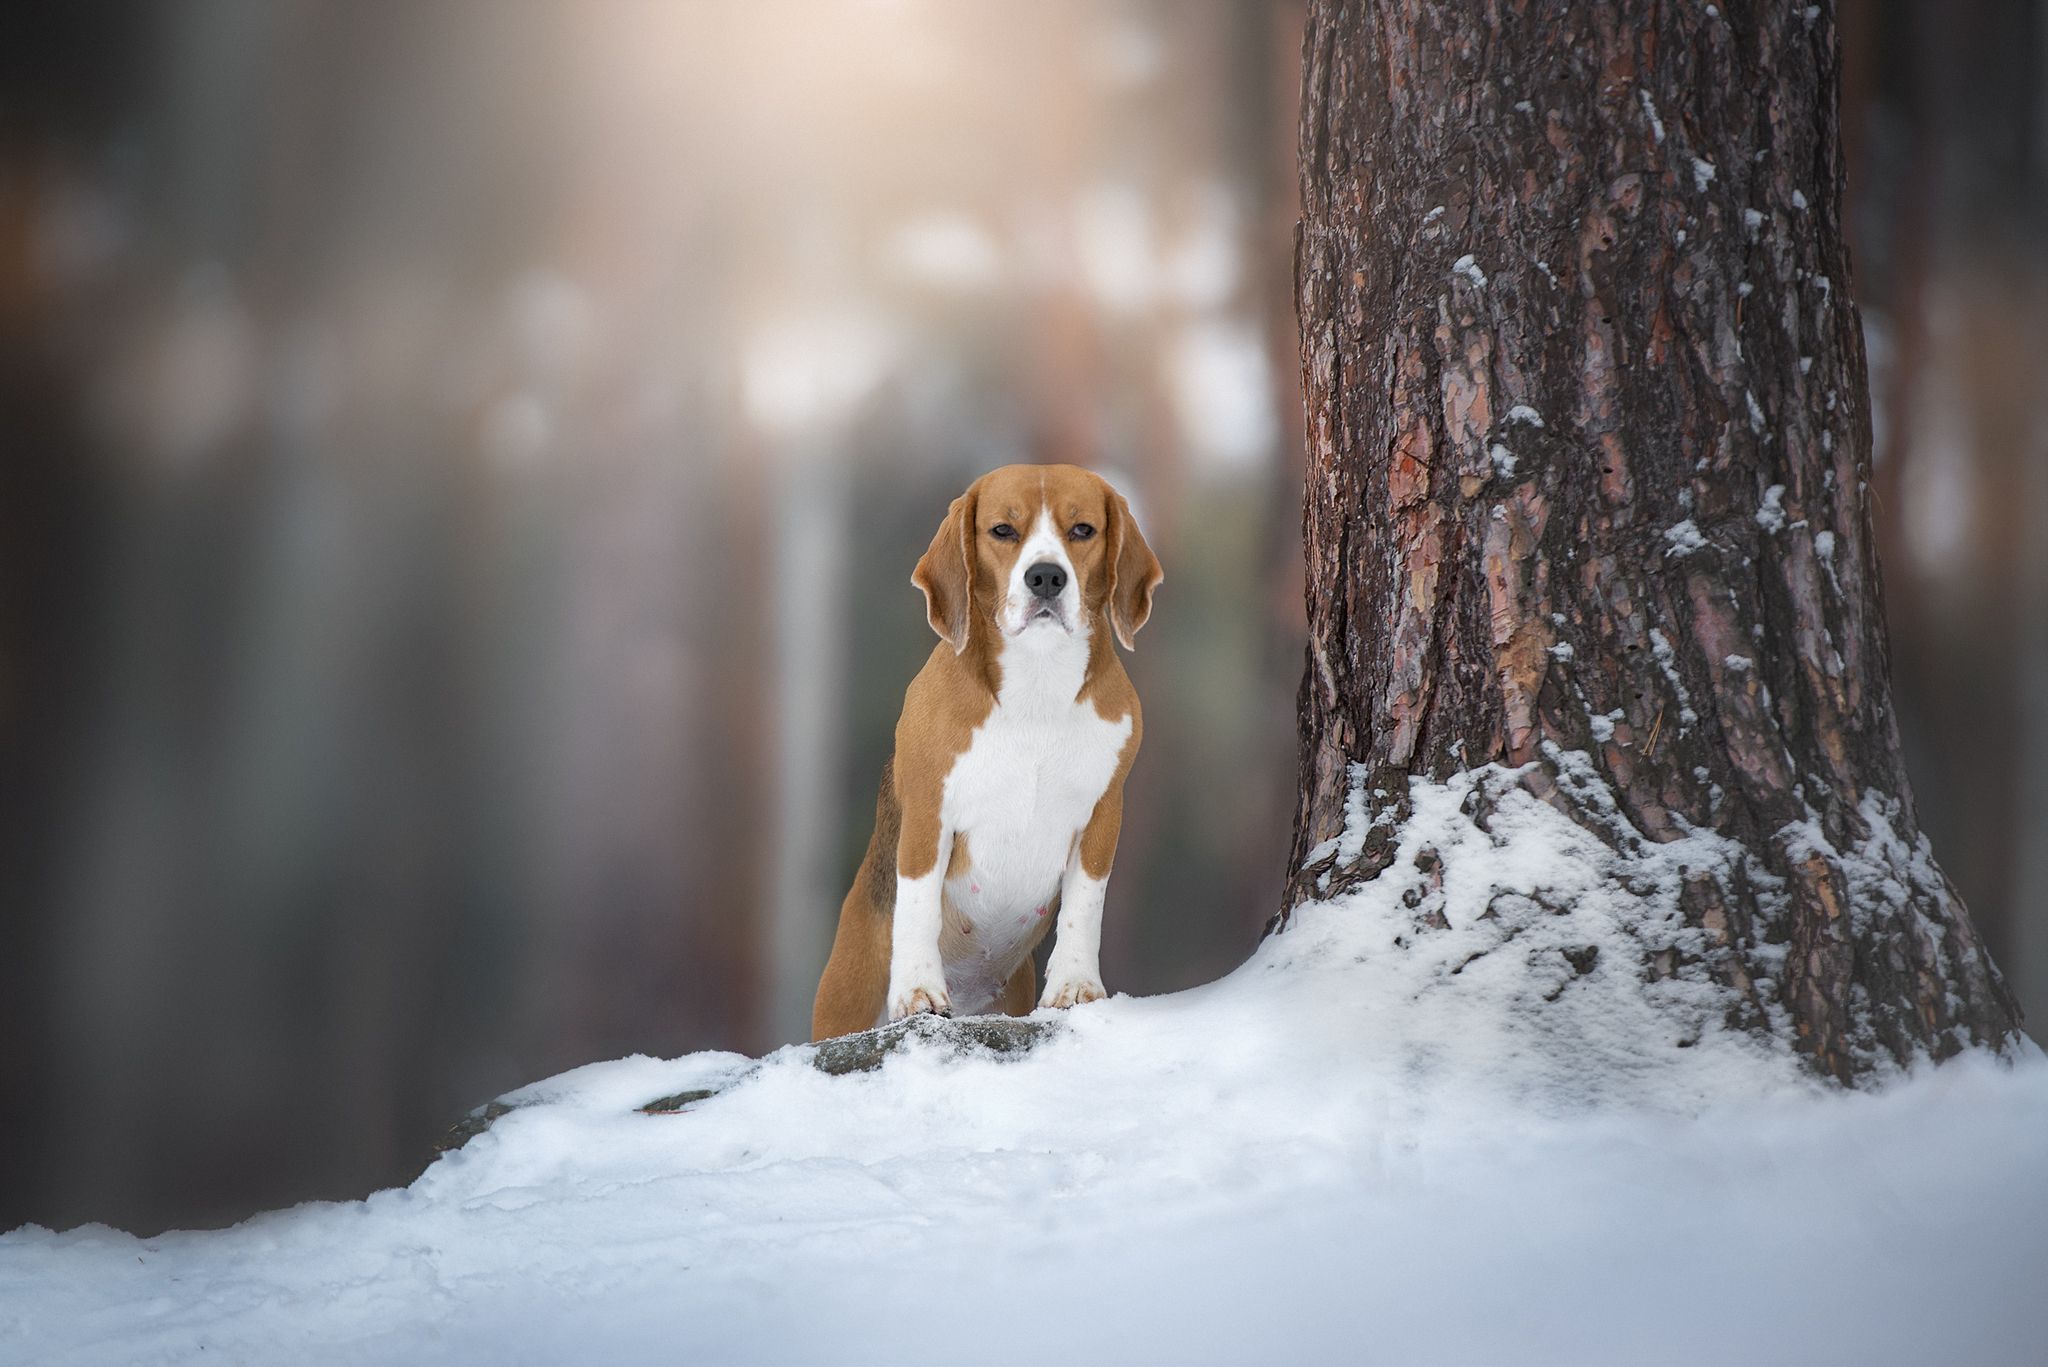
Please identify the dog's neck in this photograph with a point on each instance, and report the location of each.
(1043, 668)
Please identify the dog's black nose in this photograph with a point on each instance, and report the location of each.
(1045, 579)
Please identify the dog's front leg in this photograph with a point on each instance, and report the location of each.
(1073, 973)
(917, 977)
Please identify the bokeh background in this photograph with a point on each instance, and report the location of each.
(463, 462)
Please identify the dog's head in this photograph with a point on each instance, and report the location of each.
(1032, 548)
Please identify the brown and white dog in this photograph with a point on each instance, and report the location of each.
(1003, 801)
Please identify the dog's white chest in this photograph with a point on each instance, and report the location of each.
(1019, 795)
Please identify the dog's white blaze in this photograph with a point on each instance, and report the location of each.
(1043, 544)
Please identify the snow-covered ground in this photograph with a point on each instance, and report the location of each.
(1346, 1151)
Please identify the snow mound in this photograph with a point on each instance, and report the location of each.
(1441, 1118)
(1499, 958)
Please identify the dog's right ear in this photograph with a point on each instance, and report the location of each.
(946, 573)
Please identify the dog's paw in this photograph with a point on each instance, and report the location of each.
(1061, 993)
(920, 1001)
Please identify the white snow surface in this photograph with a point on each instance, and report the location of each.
(1371, 1143)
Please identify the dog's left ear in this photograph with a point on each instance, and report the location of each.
(1134, 572)
(946, 573)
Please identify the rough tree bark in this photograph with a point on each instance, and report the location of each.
(1588, 453)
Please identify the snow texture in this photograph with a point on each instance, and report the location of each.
(1650, 110)
(1683, 539)
(1770, 515)
(1466, 267)
(1444, 1117)
(1667, 662)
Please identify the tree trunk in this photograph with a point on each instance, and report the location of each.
(1588, 448)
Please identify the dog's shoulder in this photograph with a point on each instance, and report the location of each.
(944, 704)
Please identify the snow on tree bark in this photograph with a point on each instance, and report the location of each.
(1588, 448)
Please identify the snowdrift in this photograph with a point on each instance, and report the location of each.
(1489, 1138)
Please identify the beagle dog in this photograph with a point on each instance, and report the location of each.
(998, 813)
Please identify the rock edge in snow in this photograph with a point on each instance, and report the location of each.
(862, 1052)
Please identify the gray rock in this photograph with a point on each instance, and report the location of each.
(864, 1052)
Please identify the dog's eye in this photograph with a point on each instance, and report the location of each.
(1003, 531)
(1080, 531)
